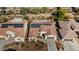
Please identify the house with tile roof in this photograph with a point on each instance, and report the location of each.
(67, 30)
(42, 30)
(12, 29)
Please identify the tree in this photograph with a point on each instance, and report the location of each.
(75, 10)
(4, 19)
(3, 10)
(35, 10)
(26, 17)
(9, 12)
(43, 10)
(28, 10)
(23, 11)
(59, 14)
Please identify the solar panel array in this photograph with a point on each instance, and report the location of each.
(37, 25)
(14, 25)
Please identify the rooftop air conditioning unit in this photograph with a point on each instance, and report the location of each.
(19, 39)
(41, 32)
(10, 34)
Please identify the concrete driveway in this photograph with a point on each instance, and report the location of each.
(5, 42)
(51, 45)
(2, 44)
(71, 46)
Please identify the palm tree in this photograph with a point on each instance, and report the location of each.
(57, 17)
(28, 28)
(27, 33)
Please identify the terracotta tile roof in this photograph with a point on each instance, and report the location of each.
(33, 32)
(50, 29)
(64, 28)
(19, 31)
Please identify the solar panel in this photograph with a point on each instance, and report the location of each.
(18, 25)
(37, 25)
(4, 26)
(15, 25)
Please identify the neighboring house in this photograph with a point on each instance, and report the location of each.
(12, 29)
(75, 27)
(67, 30)
(69, 36)
(42, 30)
